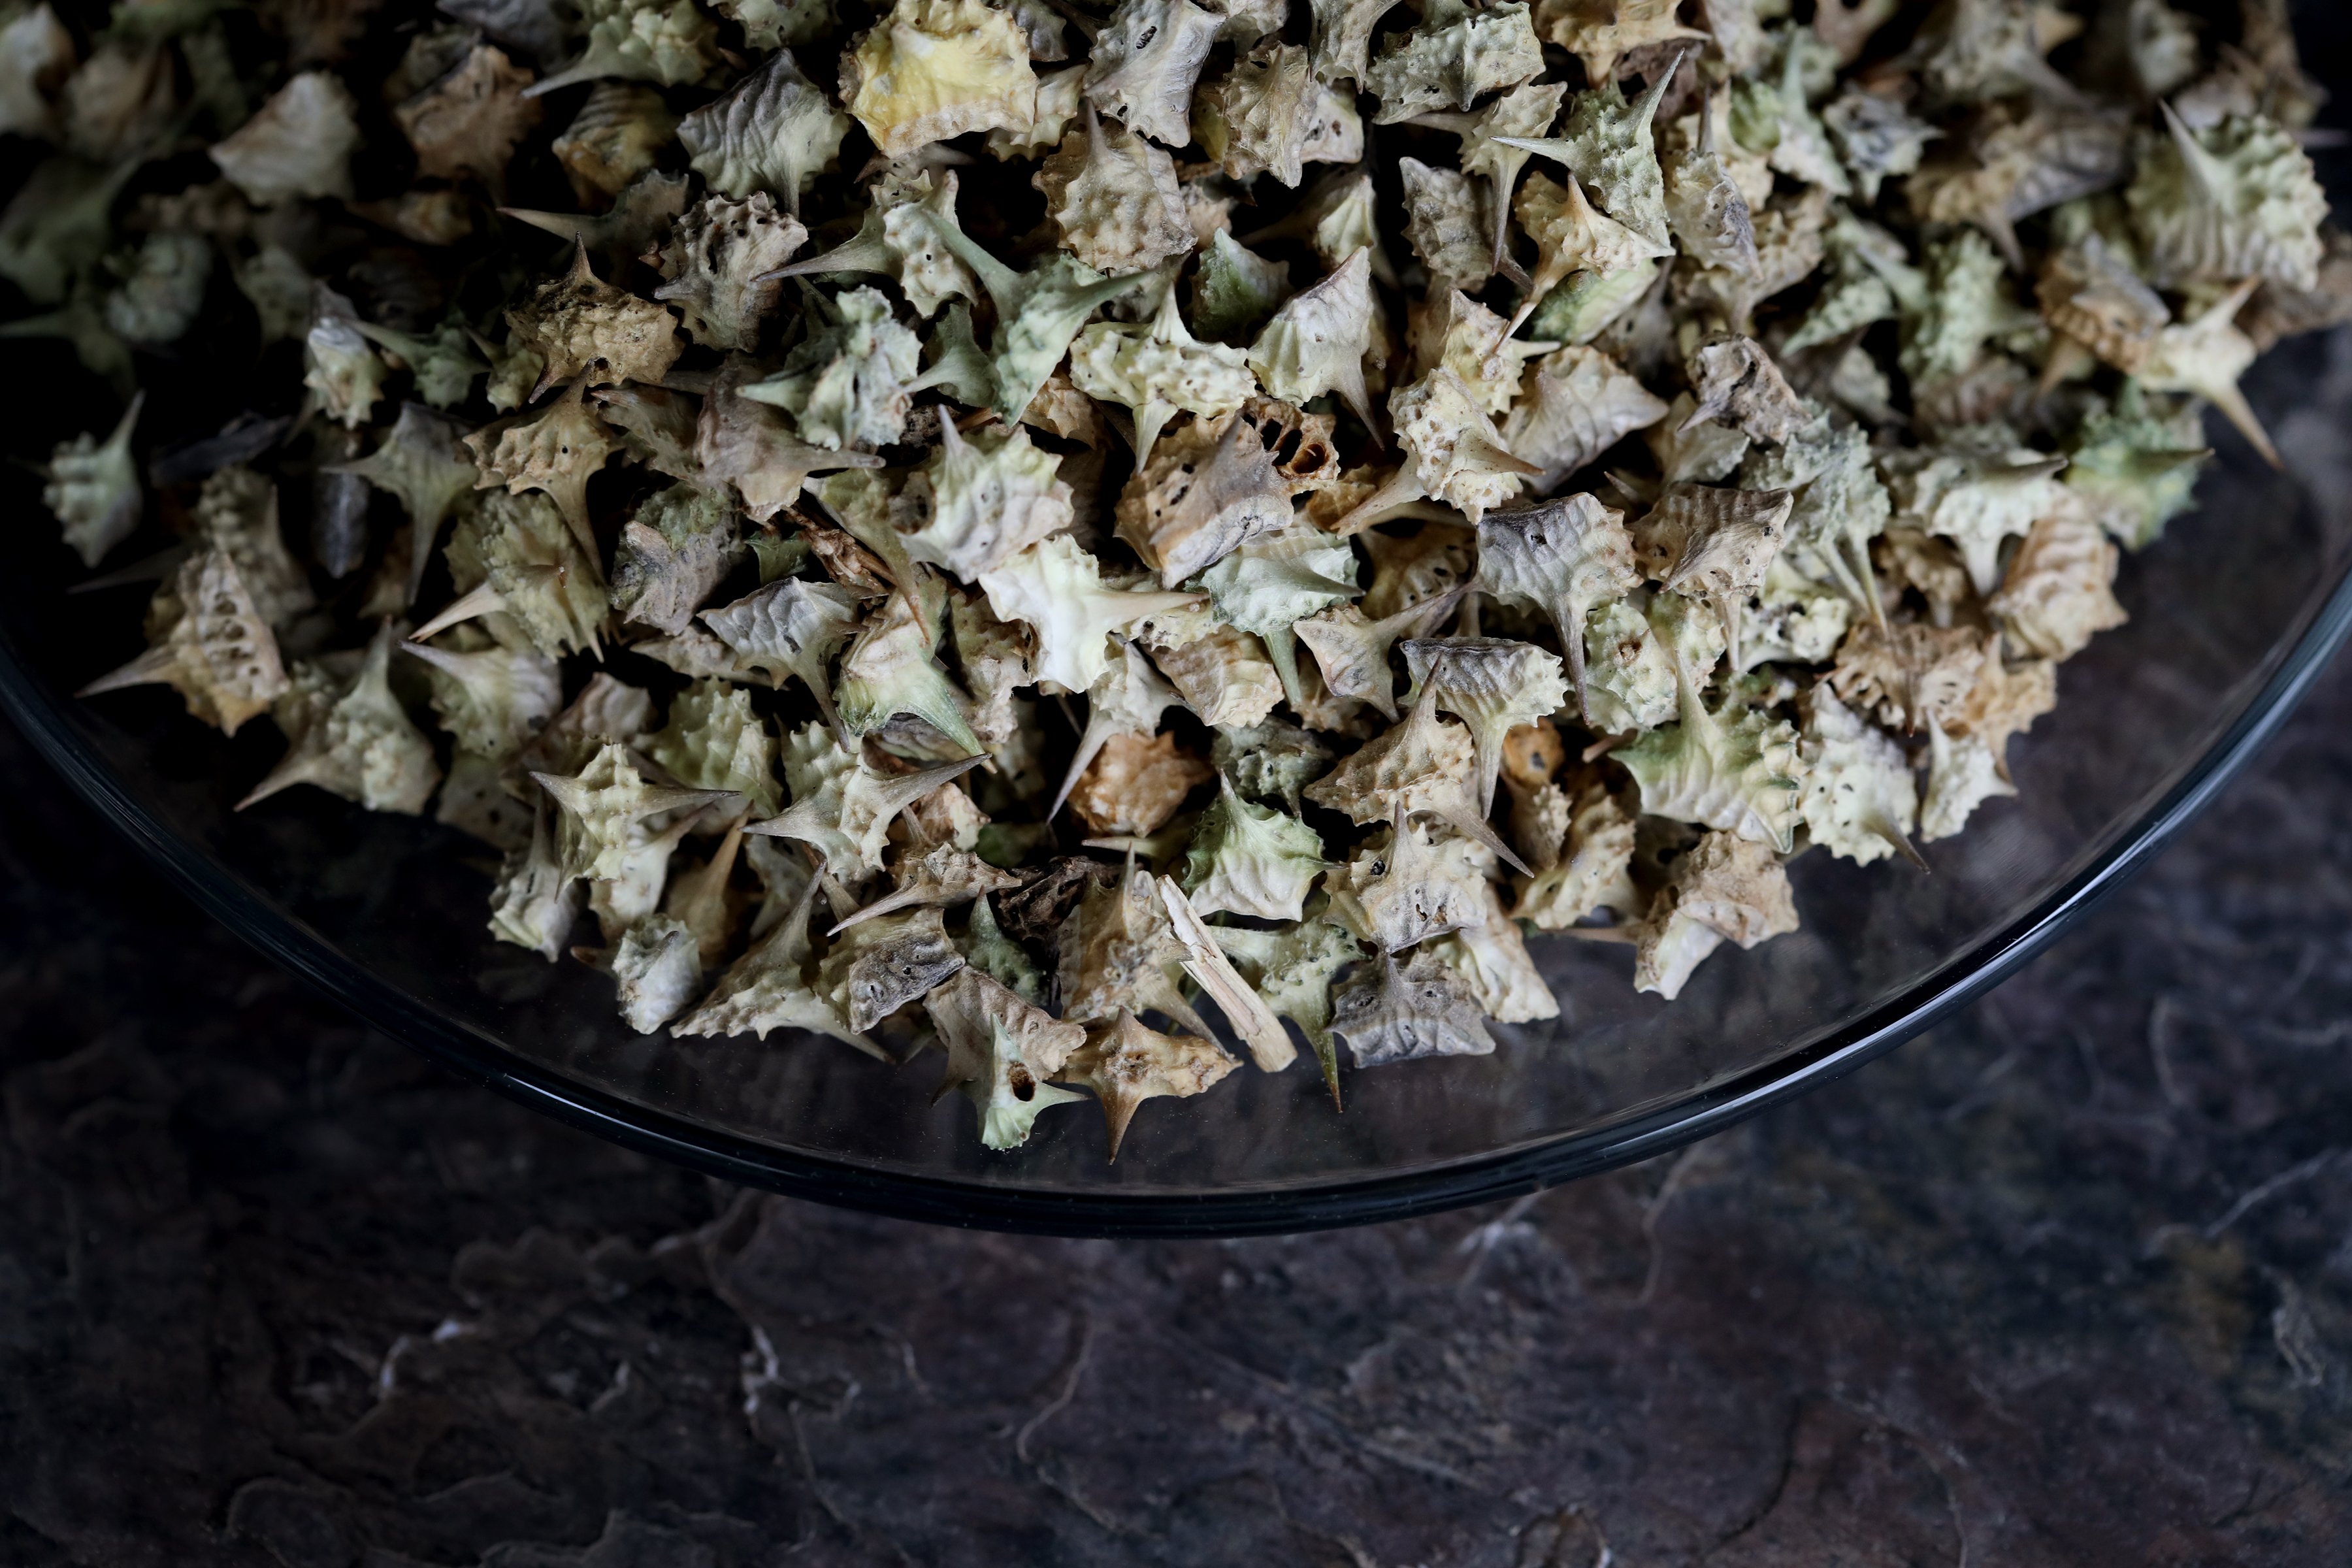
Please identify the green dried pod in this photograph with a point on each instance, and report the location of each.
(2239, 199)
(772, 134)
(1453, 59)
(92, 486)
(1733, 768)
(847, 382)
(1250, 860)
(1607, 143)
(353, 739)
(2136, 465)
(1002, 1052)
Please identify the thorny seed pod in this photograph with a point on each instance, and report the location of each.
(1876, 499)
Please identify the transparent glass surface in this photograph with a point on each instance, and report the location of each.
(2231, 614)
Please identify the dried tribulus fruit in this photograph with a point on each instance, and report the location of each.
(995, 524)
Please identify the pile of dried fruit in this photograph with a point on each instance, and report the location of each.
(996, 473)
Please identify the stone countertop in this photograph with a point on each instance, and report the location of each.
(2069, 1282)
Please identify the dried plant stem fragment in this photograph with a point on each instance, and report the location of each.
(1247, 1013)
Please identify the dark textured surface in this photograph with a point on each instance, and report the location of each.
(2068, 1282)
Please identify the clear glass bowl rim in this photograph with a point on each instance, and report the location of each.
(477, 1054)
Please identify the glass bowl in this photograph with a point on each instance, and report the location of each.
(2232, 613)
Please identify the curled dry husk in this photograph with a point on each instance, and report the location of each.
(1245, 603)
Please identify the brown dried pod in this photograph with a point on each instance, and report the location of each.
(611, 143)
(470, 121)
(1119, 950)
(1135, 783)
(1035, 912)
(1714, 545)
(2090, 295)
(1409, 569)
(1909, 675)
(2059, 590)
(584, 327)
(209, 643)
(2005, 701)
(1126, 1063)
